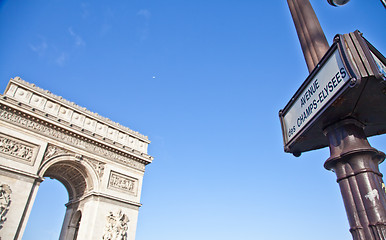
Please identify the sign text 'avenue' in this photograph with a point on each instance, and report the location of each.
(325, 84)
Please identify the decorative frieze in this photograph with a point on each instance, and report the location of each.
(5, 202)
(118, 181)
(116, 227)
(67, 137)
(17, 149)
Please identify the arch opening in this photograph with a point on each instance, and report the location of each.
(48, 209)
(73, 176)
(68, 175)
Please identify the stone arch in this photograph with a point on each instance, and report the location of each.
(43, 135)
(79, 178)
(74, 173)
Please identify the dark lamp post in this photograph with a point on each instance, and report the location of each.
(346, 121)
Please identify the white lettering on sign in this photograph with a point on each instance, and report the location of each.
(323, 87)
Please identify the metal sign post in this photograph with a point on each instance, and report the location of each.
(339, 105)
(355, 163)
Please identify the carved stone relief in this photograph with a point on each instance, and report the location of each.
(123, 183)
(17, 149)
(53, 132)
(116, 227)
(99, 167)
(5, 202)
(53, 151)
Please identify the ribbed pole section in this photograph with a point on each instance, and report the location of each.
(355, 164)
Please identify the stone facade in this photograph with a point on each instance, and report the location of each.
(100, 162)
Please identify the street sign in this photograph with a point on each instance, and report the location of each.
(350, 73)
(321, 88)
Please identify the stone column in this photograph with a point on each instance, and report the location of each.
(17, 194)
(355, 163)
(70, 222)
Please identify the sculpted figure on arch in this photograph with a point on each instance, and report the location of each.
(5, 201)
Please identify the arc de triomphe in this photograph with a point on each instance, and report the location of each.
(100, 162)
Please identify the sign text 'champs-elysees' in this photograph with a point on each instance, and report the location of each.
(325, 84)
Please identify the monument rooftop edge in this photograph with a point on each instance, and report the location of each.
(78, 119)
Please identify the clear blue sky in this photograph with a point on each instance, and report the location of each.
(204, 80)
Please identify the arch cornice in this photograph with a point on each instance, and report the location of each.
(39, 110)
(17, 114)
(30, 94)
